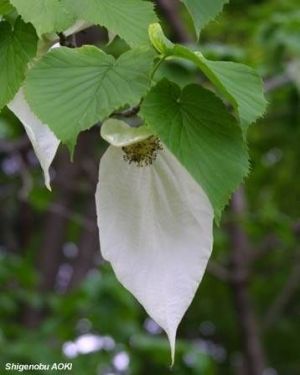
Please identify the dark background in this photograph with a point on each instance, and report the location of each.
(60, 302)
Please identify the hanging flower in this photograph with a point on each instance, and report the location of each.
(155, 223)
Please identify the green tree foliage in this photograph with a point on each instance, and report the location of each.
(17, 47)
(200, 98)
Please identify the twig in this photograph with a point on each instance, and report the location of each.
(276, 82)
(67, 41)
(130, 112)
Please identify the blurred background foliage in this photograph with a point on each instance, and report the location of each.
(60, 302)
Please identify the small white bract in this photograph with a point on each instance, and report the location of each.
(44, 142)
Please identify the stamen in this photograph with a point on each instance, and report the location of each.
(143, 153)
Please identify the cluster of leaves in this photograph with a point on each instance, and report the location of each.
(271, 211)
(71, 90)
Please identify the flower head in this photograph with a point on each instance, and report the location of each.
(143, 153)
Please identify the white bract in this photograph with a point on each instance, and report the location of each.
(119, 134)
(155, 226)
(43, 141)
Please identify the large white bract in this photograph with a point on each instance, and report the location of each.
(44, 142)
(155, 226)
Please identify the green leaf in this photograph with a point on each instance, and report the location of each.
(203, 11)
(129, 19)
(46, 15)
(195, 125)
(239, 83)
(5, 7)
(72, 89)
(17, 48)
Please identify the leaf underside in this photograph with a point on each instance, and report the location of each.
(73, 89)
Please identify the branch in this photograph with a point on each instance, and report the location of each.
(170, 10)
(218, 271)
(240, 266)
(285, 295)
(88, 248)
